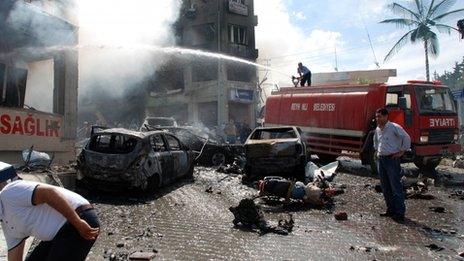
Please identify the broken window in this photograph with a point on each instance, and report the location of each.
(158, 144)
(281, 133)
(112, 143)
(40, 83)
(200, 35)
(238, 34)
(173, 142)
(13, 86)
(240, 72)
(204, 71)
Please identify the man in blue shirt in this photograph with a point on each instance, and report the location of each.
(305, 75)
(391, 141)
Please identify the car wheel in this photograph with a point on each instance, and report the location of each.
(153, 183)
(218, 158)
(190, 172)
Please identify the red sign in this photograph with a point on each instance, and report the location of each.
(29, 125)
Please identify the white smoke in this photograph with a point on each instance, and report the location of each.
(118, 23)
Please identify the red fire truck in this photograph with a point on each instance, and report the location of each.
(337, 119)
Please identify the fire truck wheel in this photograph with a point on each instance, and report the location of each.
(429, 165)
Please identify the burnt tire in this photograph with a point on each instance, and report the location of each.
(153, 183)
(218, 158)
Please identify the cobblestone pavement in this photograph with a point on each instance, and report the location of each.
(186, 222)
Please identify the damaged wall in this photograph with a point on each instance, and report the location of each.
(36, 43)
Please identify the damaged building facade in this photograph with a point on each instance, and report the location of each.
(38, 78)
(210, 91)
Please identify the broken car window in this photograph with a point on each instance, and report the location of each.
(281, 133)
(173, 142)
(112, 143)
(157, 143)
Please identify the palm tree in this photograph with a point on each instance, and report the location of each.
(421, 19)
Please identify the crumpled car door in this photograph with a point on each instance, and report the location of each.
(163, 154)
(179, 157)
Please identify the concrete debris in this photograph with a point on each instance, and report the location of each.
(142, 256)
(248, 215)
(233, 168)
(341, 216)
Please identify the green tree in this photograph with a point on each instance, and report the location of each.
(454, 78)
(421, 20)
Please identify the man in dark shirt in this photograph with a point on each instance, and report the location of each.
(305, 75)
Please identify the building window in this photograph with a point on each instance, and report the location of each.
(12, 86)
(200, 35)
(238, 34)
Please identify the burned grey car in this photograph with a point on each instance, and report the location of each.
(123, 159)
(278, 151)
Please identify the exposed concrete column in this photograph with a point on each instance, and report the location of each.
(71, 93)
(193, 111)
(223, 97)
(65, 91)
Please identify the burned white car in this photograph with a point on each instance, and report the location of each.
(278, 151)
(123, 159)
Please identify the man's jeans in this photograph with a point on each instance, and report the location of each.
(67, 244)
(389, 169)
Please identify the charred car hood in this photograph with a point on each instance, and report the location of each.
(271, 148)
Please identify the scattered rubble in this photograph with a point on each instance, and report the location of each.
(249, 216)
(435, 247)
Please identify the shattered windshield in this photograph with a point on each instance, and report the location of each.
(435, 100)
(112, 143)
(281, 133)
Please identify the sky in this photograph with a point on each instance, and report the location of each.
(313, 31)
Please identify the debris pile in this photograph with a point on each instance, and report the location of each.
(248, 215)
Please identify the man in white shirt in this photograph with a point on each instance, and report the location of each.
(64, 221)
(391, 141)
